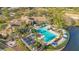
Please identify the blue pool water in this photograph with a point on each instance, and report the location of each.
(48, 36)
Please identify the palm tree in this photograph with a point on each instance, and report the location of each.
(2, 43)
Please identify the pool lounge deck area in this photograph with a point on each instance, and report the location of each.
(31, 43)
(49, 32)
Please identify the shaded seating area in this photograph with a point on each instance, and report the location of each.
(54, 44)
(29, 41)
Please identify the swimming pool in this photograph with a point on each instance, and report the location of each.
(48, 36)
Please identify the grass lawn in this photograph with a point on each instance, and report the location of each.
(20, 46)
(8, 49)
(2, 25)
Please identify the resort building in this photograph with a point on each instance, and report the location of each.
(39, 19)
(71, 18)
(44, 36)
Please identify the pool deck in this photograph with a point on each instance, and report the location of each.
(51, 31)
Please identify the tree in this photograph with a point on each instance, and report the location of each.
(56, 16)
(5, 12)
(2, 43)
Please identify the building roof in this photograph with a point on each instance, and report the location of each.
(73, 16)
(15, 22)
(40, 19)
